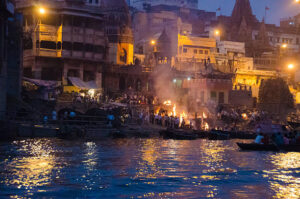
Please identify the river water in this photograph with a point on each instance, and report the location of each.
(144, 168)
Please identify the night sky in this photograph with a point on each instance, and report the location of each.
(278, 8)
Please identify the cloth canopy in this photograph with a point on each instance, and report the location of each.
(83, 85)
(43, 83)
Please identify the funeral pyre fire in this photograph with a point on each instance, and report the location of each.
(171, 109)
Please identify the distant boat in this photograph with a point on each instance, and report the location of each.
(269, 147)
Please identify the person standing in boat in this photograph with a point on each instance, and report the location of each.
(259, 138)
(266, 139)
(279, 139)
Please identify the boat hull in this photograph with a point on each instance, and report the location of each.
(268, 147)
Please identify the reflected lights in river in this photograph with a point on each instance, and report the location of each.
(34, 168)
(148, 167)
(286, 184)
(90, 155)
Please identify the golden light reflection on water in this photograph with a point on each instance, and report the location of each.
(213, 154)
(148, 167)
(283, 182)
(33, 169)
(90, 154)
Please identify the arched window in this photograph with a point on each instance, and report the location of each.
(123, 56)
(138, 85)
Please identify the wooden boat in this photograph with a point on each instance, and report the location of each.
(258, 147)
(37, 131)
(291, 147)
(178, 134)
(269, 147)
(218, 135)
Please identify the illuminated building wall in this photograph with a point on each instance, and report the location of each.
(253, 78)
(67, 40)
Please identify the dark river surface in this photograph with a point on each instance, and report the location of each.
(144, 168)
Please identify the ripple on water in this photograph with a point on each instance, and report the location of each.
(144, 168)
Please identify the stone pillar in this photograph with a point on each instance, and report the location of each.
(36, 69)
(65, 74)
(81, 71)
(99, 80)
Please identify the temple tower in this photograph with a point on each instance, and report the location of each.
(119, 32)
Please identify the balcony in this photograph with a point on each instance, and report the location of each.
(48, 52)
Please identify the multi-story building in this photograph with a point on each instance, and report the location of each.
(150, 23)
(6, 11)
(63, 39)
(194, 53)
(145, 4)
(182, 28)
(243, 26)
(209, 89)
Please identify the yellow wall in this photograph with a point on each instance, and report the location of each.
(196, 43)
(70, 89)
(253, 78)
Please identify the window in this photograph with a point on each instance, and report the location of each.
(123, 56)
(221, 98)
(213, 95)
(77, 46)
(195, 51)
(89, 48)
(99, 49)
(67, 45)
(200, 51)
(48, 45)
(206, 52)
(184, 50)
(58, 45)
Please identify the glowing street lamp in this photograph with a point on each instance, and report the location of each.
(217, 32)
(297, 1)
(188, 78)
(291, 66)
(42, 10)
(153, 42)
(284, 46)
(174, 80)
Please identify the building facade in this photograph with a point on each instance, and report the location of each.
(209, 90)
(144, 4)
(63, 39)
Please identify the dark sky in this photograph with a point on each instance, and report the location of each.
(278, 8)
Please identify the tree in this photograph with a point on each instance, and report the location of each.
(275, 95)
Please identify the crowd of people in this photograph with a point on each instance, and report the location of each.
(278, 138)
(163, 120)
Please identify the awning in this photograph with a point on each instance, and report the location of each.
(43, 83)
(83, 85)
